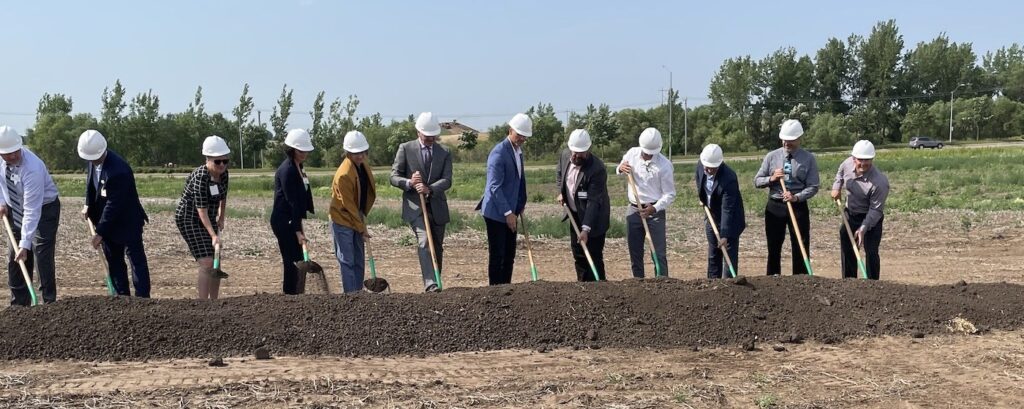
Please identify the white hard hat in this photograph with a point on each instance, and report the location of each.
(91, 145)
(711, 156)
(522, 124)
(215, 146)
(864, 149)
(10, 140)
(355, 142)
(650, 141)
(579, 141)
(791, 130)
(299, 139)
(427, 124)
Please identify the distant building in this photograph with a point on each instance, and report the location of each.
(456, 128)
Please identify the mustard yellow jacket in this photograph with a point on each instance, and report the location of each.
(345, 196)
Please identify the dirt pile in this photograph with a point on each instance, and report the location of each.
(630, 314)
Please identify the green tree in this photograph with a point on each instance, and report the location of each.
(1005, 70)
(732, 86)
(468, 140)
(833, 66)
(548, 133)
(243, 114)
(936, 68)
(877, 81)
(54, 138)
(279, 118)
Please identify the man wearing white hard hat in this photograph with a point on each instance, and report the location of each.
(31, 203)
(718, 188)
(424, 167)
(798, 169)
(582, 182)
(202, 212)
(112, 205)
(867, 188)
(293, 201)
(352, 195)
(653, 174)
(504, 199)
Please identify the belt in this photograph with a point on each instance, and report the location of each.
(645, 204)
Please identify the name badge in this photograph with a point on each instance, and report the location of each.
(305, 181)
(581, 195)
(214, 190)
(103, 192)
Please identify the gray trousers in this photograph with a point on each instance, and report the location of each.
(636, 240)
(40, 257)
(426, 266)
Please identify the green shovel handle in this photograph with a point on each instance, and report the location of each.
(110, 285)
(657, 266)
(373, 268)
(437, 278)
(533, 271)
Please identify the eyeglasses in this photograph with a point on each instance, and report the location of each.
(221, 161)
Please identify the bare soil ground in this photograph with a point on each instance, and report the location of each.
(929, 248)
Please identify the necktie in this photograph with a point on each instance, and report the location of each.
(15, 198)
(428, 158)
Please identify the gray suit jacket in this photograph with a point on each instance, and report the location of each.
(407, 162)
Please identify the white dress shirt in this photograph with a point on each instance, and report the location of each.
(653, 179)
(37, 189)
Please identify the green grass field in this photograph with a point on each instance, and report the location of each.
(979, 179)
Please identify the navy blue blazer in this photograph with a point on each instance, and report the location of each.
(114, 208)
(292, 200)
(504, 190)
(726, 200)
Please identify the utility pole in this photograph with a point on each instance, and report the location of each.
(241, 147)
(951, 111)
(671, 98)
(685, 126)
(259, 120)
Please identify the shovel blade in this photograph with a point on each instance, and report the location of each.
(376, 285)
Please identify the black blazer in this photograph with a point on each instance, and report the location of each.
(292, 201)
(114, 208)
(726, 201)
(592, 202)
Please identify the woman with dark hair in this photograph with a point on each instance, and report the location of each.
(201, 212)
(293, 200)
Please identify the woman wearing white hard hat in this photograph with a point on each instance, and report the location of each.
(798, 170)
(201, 213)
(718, 188)
(353, 192)
(293, 201)
(867, 188)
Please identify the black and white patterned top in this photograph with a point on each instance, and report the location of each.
(201, 192)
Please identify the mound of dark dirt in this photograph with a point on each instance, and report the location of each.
(653, 313)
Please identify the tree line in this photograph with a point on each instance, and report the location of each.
(869, 87)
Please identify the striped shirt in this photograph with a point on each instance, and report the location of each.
(28, 186)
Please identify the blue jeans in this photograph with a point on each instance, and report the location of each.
(717, 268)
(350, 251)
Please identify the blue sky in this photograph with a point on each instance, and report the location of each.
(479, 62)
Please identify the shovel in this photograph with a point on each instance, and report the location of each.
(216, 272)
(106, 277)
(529, 249)
(853, 242)
(374, 284)
(725, 250)
(24, 269)
(430, 242)
(593, 267)
(796, 229)
(307, 266)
